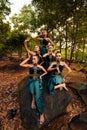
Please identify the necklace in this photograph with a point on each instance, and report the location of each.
(35, 71)
(58, 67)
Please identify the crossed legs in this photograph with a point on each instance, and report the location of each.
(61, 86)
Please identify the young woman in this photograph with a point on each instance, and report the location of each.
(57, 80)
(35, 84)
(35, 52)
(44, 40)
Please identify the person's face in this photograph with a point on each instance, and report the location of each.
(34, 60)
(58, 56)
(36, 49)
(50, 48)
(44, 33)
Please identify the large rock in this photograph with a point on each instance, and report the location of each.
(81, 88)
(14, 66)
(79, 122)
(54, 105)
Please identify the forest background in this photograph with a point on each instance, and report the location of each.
(65, 21)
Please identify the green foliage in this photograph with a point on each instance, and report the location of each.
(25, 21)
(4, 34)
(4, 9)
(4, 26)
(65, 20)
(32, 43)
(15, 42)
(68, 18)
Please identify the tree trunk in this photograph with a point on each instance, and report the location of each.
(72, 50)
(66, 43)
(20, 51)
(60, 46)
(83, 50)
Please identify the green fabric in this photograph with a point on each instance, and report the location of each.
(35, 87)
(54, 80)
(43, 50)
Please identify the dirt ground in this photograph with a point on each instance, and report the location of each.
(9, 80)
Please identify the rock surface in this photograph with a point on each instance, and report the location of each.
(81, 88)
(79, 122)
(54, 105)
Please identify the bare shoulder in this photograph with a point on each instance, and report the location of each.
(64, 64)
(39, 66)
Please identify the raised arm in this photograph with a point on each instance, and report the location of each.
(52, 43)
(46, 54)
(26, 47)
(38, 37)
(24, 63)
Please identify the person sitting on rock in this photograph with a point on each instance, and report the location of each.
(44, 41)
(57, 80)
(36, 72)
(48, 58)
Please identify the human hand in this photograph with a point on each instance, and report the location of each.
(40, 77)
(27, 40)
(57, 69)
(64, 80)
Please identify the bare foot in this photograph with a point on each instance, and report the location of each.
(65, 87)
(33, 106)
(61, 86)
(42, 119)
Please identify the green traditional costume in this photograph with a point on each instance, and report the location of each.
(48, 60)
(43, 48)
(55, 78)
(35, 86)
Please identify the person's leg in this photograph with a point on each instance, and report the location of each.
(51, 85)
(39, 101)
(31, 90)
(61, 86)
(42, 119)
(33, 106)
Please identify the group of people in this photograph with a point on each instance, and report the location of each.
(44, 65)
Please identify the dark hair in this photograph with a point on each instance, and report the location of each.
(37, 57)
(58, 52)
(37, 46)
(46, 31)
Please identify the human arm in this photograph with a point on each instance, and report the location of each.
(42, 62)
(49, 53)
(45, 55)
(26, 47)
(49, 40)
(39, 37)
(45, 72)
(24, 63)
